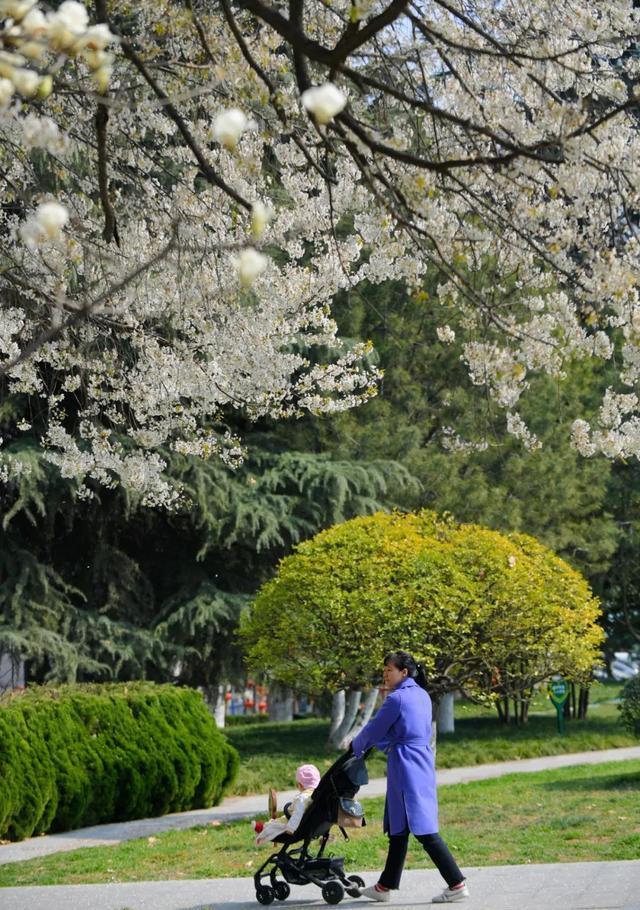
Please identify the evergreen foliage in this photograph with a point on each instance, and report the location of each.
(106, 589)
(630, 707)
(619, 586)
(477, 473)
(84, 755)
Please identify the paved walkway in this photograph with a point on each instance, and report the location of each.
(574, 886)
(237, 807)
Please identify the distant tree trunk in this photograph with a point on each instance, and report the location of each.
(215, 701)
(514, 709)
(583, 702)
(338, 702)
(12, 671)
(444, 716)
(579, 702)
(521, 706)
(352, 705)
(504, 712)
(369, 704)
(435, 708)
(280, 703)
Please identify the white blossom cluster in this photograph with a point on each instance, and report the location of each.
(218, 322)
(517, 427)
(44, 225)
(445, 334)
(537, 237)
(182, 263)
(453, 442)
(30, 36)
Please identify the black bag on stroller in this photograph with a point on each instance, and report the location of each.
(332, 803)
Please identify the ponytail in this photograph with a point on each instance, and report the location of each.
(421, 676)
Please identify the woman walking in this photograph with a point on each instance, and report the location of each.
(402, 728)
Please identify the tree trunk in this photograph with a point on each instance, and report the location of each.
(433, 742)
(516, 710)
(352, 704)
(12, 671)
(444, 716)
(369, 704)
(520, 710)
(215, 702)
(337, 713)
(280, 703)
(583, 703)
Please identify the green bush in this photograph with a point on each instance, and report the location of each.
(630, 707)
(490, 614)
(81, 755)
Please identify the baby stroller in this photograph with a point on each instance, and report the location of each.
(332, 803)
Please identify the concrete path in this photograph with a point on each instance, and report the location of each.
(575, 886)
(237, 807)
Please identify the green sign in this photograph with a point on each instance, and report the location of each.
(558, 690)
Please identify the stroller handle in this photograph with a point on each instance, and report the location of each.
(365, 754)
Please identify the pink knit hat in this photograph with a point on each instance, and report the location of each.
(307, 776)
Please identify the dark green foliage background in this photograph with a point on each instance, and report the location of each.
(80, 755)
(106, 589)
(630, 707)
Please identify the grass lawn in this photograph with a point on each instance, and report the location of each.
(270, 752)
(567, 815)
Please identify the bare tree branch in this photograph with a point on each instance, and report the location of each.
(101, 119)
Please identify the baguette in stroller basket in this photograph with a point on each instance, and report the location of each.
(332, 803)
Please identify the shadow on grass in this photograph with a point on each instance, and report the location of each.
(281, 739)
(287, 738)
(607, 782)
(536, 727)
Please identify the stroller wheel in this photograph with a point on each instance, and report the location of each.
(333, 892)
(281, 891)
(358, 883)
(264, 894)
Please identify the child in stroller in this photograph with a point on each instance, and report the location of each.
(307, 779)
(330, 803)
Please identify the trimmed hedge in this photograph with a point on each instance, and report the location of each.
(81, 755)
(630, 707)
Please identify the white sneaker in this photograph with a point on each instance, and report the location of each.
(374, 895)
(450, 895)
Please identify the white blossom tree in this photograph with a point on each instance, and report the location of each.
(187, 184)
(136, 307)
(501, 139)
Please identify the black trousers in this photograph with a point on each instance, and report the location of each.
(439, 854)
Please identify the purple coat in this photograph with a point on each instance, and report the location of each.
(402, 728)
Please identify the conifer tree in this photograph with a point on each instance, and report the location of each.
(108, 588)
